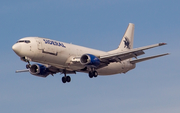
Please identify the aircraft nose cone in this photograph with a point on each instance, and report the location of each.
(16, 48)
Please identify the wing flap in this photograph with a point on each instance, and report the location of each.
(130, 55)
(126, 56)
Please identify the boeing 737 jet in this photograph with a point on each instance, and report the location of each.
(53, 57)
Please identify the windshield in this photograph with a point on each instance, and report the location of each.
(25, 41)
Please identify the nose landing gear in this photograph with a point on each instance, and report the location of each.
(26, 59)
(28, 65)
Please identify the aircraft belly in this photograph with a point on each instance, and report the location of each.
(112, 68)
(116, 68)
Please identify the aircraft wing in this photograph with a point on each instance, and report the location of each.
(51, 69)
(120, 56)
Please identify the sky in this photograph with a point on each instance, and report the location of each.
(152, 87)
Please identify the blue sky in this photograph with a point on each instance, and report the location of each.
(153, 87)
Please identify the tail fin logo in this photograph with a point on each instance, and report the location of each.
(126, 43)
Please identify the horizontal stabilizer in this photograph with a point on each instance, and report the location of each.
(147, 58)
(25, 70)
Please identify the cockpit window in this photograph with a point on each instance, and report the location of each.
(25, 41)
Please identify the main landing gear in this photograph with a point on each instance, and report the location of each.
(66, 78)
(93, 73)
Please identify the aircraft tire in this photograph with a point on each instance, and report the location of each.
(64, 79)
(27, 66)
(95, 73)
(68, 79)
(90, 75)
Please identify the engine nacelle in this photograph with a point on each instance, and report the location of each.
(39, 70)
(89, 60)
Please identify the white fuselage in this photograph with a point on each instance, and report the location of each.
(60, 54)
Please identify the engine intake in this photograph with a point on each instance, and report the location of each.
(90, 60)
(39, 70)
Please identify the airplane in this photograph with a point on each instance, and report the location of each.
(53, 57)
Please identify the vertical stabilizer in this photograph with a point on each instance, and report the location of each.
(128, 38)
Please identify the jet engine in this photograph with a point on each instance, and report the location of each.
(89, 60)
(39, 70)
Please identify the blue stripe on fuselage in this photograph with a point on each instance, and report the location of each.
(51, 42)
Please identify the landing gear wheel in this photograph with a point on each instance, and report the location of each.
(95, 74)
(28, 66)
(68, 79)
(64, 79)
(90, 75)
